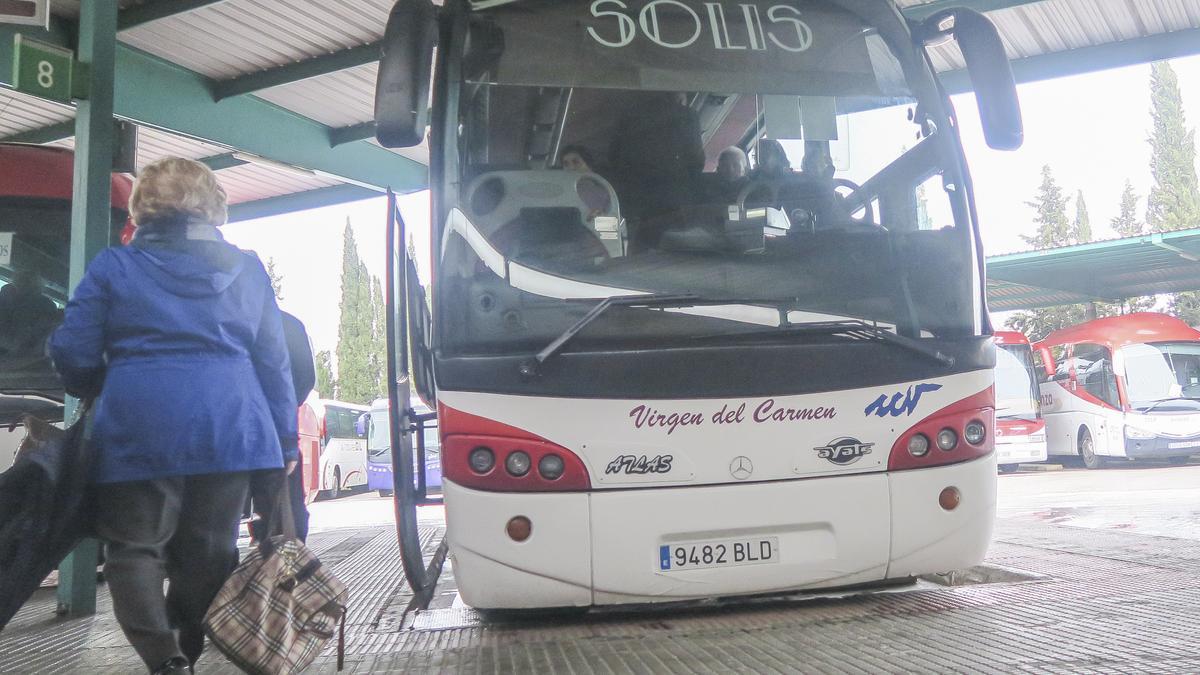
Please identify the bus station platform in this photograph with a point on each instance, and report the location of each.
(1051, 598)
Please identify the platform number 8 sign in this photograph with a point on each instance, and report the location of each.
(43, 70)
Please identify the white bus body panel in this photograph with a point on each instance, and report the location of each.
(601, 547)
(553, 568)
(602, 430)
(1067, 414)
(926, 537)
(349, 457)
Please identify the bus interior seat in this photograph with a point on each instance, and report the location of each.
(506, 199)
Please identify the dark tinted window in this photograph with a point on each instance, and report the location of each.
(1094, 372)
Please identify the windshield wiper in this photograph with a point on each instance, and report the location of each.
(858, 330)
(647, 300)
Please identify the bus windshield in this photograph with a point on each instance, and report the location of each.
(379, 435)
(1016, 382)
(603, 151)
(1161, 371)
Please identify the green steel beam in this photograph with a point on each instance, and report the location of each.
(156, 93)
(50, 134)
(1090, 59)
(921, 12)
(91, 209)
(311, 199)
(300, 70)
(225, 161)
(350, 134)
(153, 10)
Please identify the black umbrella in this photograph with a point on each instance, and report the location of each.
(45, 510)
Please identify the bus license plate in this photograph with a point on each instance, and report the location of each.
(694, 555)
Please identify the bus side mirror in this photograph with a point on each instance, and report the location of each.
(402, 88)
(1048, 364)
(990, 71)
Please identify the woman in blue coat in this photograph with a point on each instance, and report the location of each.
(180, 337)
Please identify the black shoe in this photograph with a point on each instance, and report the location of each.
(176, 665)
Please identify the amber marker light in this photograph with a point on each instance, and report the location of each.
(519, 528)
(950, 498)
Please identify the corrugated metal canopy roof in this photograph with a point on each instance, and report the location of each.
(1108, 270)
(316, 58)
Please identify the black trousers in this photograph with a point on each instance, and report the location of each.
(183, 530)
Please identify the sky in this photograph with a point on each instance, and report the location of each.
(1092, 130)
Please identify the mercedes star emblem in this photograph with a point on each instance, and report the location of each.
(741, 467)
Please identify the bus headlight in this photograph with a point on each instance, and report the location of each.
(551, 467)
(517, 463)
(947, 440)
(918, 445)
(975, 432)
(481, 459)
(1141, 434)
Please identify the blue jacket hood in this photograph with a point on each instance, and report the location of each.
(191, 269)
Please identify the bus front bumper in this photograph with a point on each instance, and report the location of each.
(1161, 447)
(607, 546)
(379, 476)
(1019, 451)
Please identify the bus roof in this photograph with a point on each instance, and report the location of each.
(1117, 331)
(326, 402)
(1010, 337)
(45, 172)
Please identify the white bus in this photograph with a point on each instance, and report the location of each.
(343, 462)
(1122, 388)
(1020, 429)
(655, 382)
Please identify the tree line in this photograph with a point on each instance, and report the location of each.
(362, 334)
(1173, 204)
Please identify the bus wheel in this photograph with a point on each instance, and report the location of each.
(335, 490)
(1009, 468)
(384, 493)
(1087, 448)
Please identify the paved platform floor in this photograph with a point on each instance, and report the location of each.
(1106, 599)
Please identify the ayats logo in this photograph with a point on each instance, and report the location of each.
(844, 451)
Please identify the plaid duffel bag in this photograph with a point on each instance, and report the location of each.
(280, 606)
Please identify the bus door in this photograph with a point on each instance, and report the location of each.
(409, 363)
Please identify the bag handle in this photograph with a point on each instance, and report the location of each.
(281, 519)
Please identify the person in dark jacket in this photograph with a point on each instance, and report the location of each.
(264, 485)
(180, 337)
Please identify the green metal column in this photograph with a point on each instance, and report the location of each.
(90, 227)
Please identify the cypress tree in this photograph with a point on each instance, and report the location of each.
(1081, 229)
(1126, 224)
(1055, 229)
(356, 379)
(378, 338)
(1174, 202)
(1051, 215)
(325, 383)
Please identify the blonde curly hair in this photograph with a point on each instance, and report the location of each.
(176, 190)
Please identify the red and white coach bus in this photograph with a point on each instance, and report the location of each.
(35, 228)
(1124, 387)
(653, 385)
(1020, 429)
